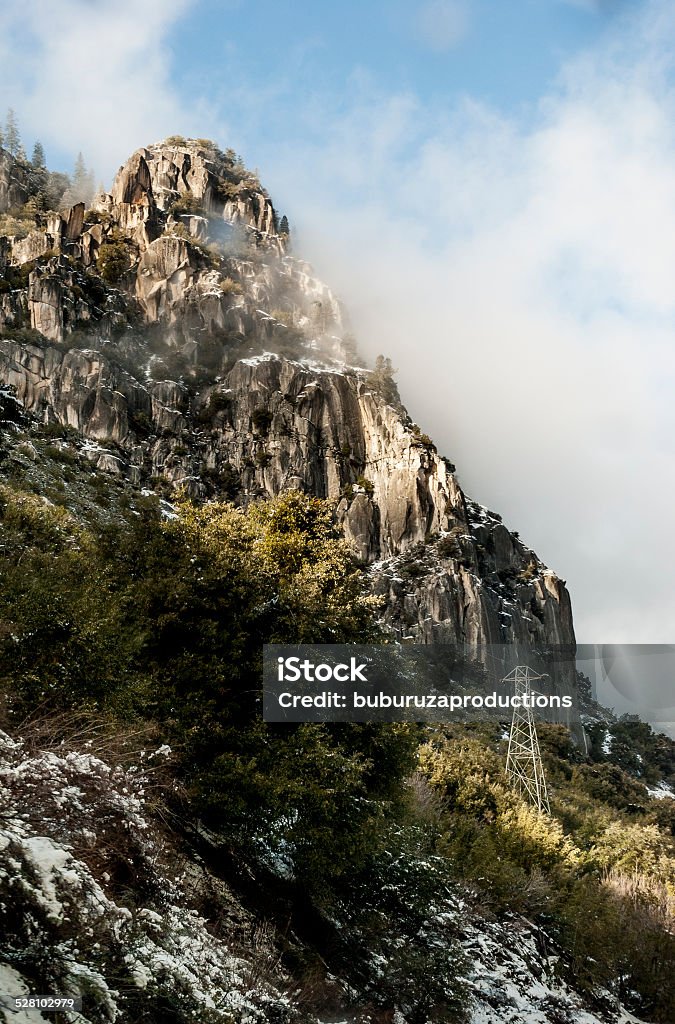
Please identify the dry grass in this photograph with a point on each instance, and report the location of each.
(425, 804)
(86, 732)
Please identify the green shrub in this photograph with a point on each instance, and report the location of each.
(219, 401)
(187, 203)
(450, 545)
(61, 455)
(262, 420)
(141, 423)
(423, 439)
(26, 336)
(18, 224)
(224, 481)
(113, 261)
(381, 380)
(58, 430)
(229, 286)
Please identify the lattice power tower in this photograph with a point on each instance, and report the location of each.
(523, 760)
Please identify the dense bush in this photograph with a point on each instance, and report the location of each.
(381, 380)
(262, 420)
(113, 260)
(187, 203)
(164, 620)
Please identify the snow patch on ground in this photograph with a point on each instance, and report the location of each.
(66, 817)
(71, 818)
(661, 791)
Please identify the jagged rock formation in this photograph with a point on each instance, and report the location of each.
(13, 189)
(190, 271)
(153, 312)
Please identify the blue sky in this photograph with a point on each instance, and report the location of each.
(262, 69)
(489, 186)
(505, 54)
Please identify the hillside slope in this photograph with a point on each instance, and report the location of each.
(192, 461)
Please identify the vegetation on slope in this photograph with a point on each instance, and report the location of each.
(163, 619)
(138, 616)
(601, 881)
(135, 612)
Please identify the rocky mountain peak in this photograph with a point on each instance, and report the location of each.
(163, 342)
(192, 184)
(171, 330)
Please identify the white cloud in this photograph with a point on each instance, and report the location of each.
(442, 24)
(521, 279)
(92, 76)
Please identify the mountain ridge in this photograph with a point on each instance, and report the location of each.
(183, 267)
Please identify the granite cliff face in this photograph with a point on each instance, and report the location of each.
(172, 330)
(13, 186)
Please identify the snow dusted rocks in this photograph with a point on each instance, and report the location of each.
(514, 981)
(83, 876)
(89, 875)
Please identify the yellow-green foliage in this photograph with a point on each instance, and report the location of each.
(633, 849)
(165, 619)
(113, 259)
(490, 833)
(27, 516)
(605, 882)
(291, 549)
(17, 225)
(229, 286)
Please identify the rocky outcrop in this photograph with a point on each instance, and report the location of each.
(46, 303)
(13, 184)
(431, 596)
(187, 242)
(446, 569)
(188, 236)
(186, 177)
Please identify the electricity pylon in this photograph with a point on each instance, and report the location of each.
(523, 760)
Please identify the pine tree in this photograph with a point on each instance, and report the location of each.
(79, 174)
(12, 137)
(81, 188)
(83, 182)
(381, 380)
(38, 157)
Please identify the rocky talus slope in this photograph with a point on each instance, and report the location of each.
(172, 330)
